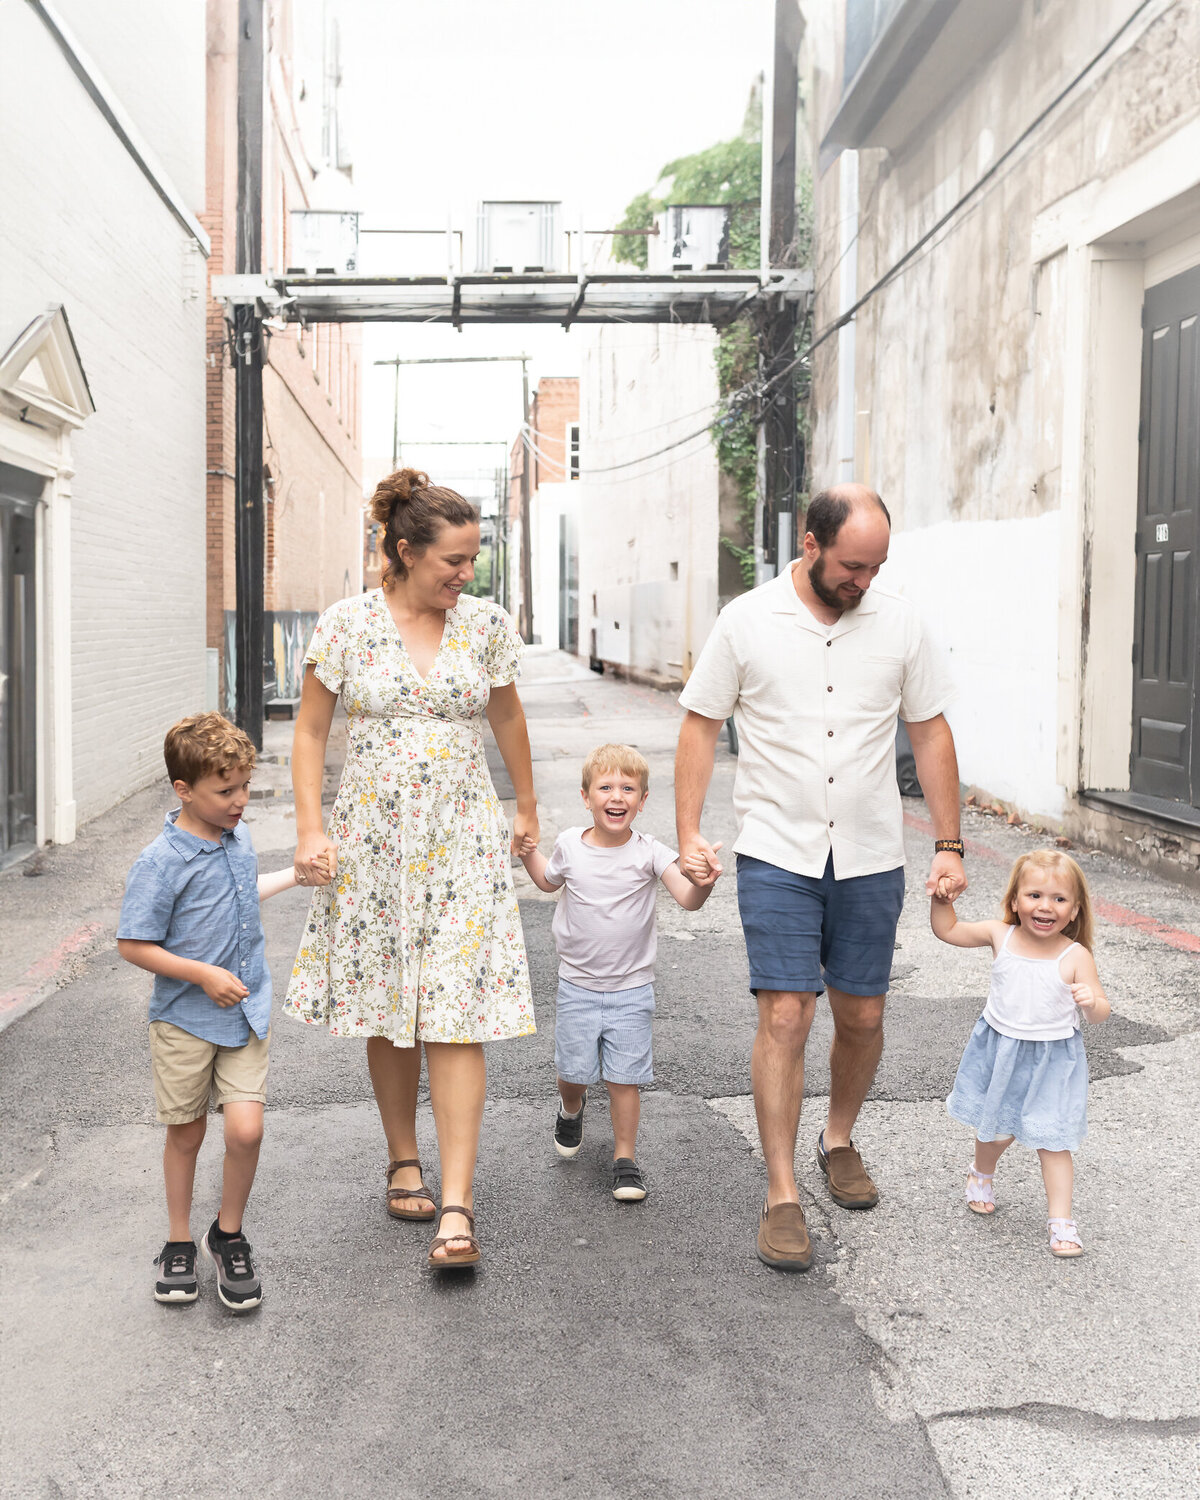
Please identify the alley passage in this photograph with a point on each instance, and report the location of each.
(619, 1351)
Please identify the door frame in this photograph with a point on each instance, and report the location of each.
(1139, 227)
(44, 397)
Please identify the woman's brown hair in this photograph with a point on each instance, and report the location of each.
(1079, 928)
(412, 510)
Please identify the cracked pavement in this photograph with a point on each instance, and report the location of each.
(614, 1349)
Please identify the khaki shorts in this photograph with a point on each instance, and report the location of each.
(188, 1072)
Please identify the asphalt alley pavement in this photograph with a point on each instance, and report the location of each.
(613, 1349)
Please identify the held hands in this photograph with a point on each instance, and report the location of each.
(947, 878)
(222, 987)
(698, 861)
(316, 860)
(526, 833)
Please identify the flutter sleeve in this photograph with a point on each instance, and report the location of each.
(326, 652)
(502, 655)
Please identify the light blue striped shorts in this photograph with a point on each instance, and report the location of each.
(604, 1034)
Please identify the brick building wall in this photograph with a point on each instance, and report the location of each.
(83, 227)
(312, 385)
(553, 410)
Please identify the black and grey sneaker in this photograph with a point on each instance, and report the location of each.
(629, 1186)
(175, 1265)
(238, 1285)
(568, 1134)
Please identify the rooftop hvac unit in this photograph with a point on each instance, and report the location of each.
(517, 237)
(691, 237)
(322, 242)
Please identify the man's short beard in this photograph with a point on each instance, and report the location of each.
(829, 597)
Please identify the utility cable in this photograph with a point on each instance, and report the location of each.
(911, 253)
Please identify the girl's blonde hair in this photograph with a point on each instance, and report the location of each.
(1079, 929)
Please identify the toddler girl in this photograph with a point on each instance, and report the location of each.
(1023, 1075)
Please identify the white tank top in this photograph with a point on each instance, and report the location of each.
(1029, 999)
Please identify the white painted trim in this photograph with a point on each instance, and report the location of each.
(1113, 235)
(42, 446)
(119, 122)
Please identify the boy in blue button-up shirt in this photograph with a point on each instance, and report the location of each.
(190, 916)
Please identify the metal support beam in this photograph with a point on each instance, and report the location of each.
(778, 436)
(249, 521)
(526, 539)
(573, 310)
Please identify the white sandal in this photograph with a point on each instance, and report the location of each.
(980, 1191)
(1064, 1233)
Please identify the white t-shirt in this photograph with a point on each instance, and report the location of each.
(815, 708)
(604, 924)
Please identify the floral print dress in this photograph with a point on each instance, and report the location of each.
(418, 938)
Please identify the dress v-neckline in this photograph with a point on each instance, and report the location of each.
(408, 656)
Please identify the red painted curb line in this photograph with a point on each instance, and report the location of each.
(1108, 911)
(35, 978)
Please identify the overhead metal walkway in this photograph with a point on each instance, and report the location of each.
(713, 297)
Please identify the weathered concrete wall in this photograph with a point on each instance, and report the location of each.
(648, 533)
(996, 377)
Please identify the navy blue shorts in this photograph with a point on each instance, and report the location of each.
(803, 934)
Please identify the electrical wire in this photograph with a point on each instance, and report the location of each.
(911, 253)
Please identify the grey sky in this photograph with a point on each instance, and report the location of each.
(449, 101)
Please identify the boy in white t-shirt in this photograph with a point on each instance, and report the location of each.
(604, 932)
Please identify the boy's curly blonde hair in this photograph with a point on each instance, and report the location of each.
(622, 758)
(206, 745)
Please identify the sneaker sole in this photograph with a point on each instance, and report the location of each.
(176, 1296)
(245, 1306)
(630, 1195)
(568, 1151)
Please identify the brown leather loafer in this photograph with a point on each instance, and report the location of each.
(783, 1241)
(849, 1184)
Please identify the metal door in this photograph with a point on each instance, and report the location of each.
(18, 663)
(1165, 759)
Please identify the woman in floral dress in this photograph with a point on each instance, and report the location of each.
(416, 940)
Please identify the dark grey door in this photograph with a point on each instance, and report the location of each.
(19, 491)
(1165, 760)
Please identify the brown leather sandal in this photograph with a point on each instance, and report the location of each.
(398, 1195)
(469, 1257)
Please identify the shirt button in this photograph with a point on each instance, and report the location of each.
(829, 643)
(829, 690)
(829, 732)
(831, 780)
(243, 926)
(831, 822)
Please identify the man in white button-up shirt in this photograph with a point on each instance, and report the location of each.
(815, 670)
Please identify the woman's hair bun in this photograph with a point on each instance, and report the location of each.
(397, 489)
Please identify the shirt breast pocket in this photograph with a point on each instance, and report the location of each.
(882, 683)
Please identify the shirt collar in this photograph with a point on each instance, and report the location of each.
(186, 844)
(786, 601)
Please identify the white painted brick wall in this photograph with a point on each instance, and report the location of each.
(82, 226)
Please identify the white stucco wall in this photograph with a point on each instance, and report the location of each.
(996, 377)
(1000, 636)
(83, 227)
(648, 533)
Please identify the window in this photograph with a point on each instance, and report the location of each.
(573, 450)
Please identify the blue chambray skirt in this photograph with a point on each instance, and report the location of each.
(1035, 1091)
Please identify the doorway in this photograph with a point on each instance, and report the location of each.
(19, 494)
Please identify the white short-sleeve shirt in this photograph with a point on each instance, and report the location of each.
(815, 708)
(604, 924)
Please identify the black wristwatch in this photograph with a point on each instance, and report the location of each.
(949, 846)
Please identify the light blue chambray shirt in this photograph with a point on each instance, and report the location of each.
(199, 900)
